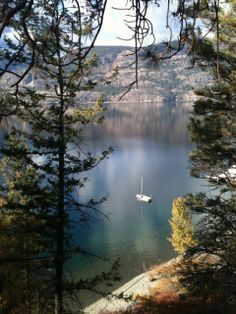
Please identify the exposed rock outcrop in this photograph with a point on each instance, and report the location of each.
(171, 80)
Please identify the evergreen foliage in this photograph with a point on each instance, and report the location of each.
(44, 165)
(213, 130)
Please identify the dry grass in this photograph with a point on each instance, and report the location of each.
(168, 304)
(168, 297)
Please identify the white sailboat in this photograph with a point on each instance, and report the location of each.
(141, 197)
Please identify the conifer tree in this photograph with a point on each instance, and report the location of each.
(26, 236)
(213, 130)
(45, 162)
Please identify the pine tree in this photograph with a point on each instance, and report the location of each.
(213, 130)
(26, 240)
(46, 161)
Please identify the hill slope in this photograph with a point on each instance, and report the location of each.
(171, 80)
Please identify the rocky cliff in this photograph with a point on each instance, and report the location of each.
(172, 80)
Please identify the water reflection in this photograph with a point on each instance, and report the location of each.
(149, 140)
(164, 123)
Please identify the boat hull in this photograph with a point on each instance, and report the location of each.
(143, 198)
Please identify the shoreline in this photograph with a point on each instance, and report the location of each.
(136, 285)
(140, 285)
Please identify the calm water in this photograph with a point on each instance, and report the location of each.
(150, 141)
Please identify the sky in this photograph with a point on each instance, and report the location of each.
(114, 26)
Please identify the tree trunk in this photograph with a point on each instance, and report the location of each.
(60, 215)
(60, 220)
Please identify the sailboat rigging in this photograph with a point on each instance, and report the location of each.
(141, 197)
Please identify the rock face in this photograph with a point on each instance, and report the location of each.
(171, 80)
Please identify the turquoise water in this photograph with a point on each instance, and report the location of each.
(150, 141)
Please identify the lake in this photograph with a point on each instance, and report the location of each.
(150, 140)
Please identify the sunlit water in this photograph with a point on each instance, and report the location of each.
(150, 141)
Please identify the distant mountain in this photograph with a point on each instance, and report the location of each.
(171, 80)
